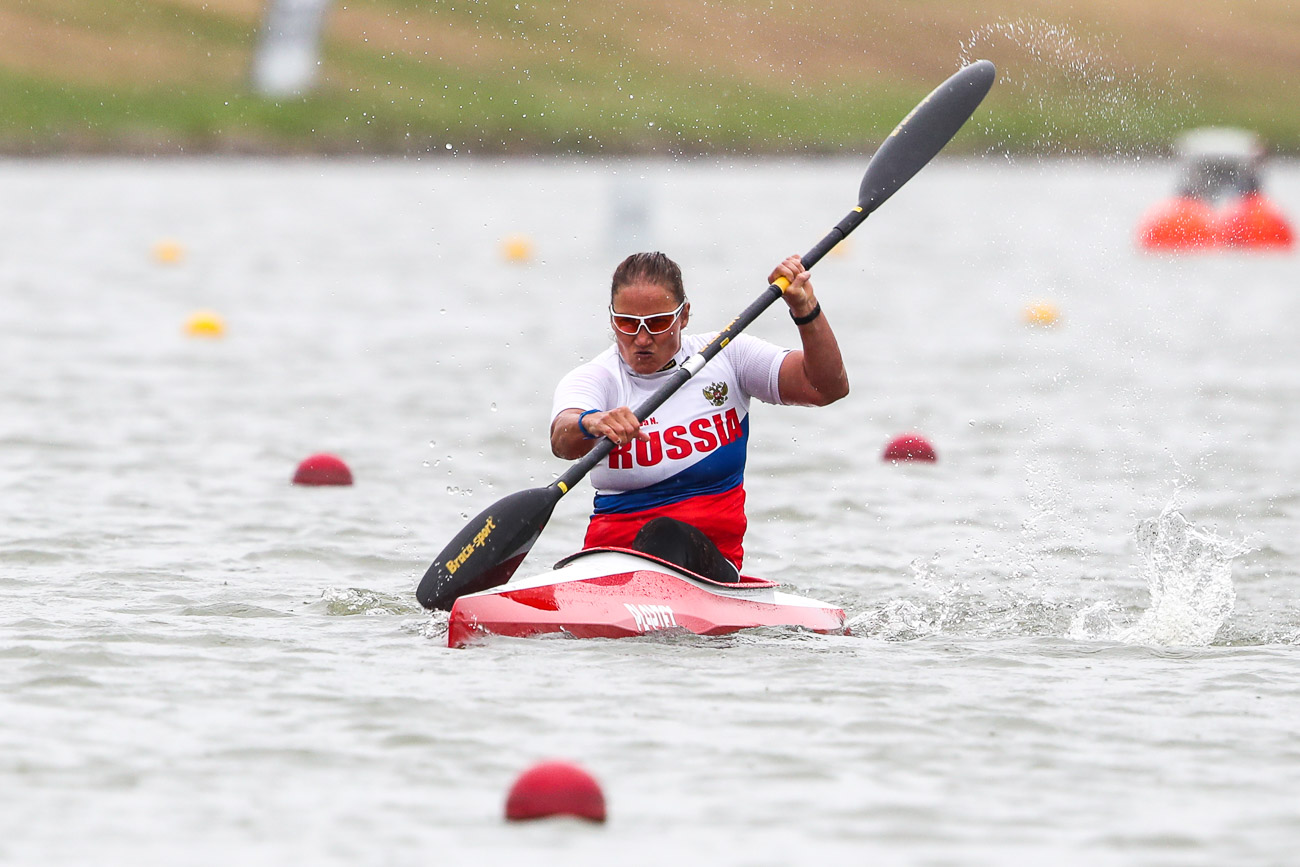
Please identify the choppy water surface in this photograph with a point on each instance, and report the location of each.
(1074, 636)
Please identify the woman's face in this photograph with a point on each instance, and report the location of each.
(645, 352)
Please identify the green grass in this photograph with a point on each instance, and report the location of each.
(564, 77)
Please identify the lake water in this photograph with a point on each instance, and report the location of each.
(1074, 636)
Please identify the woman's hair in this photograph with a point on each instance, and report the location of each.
(653, 268)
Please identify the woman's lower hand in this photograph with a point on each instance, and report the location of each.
(620, 425)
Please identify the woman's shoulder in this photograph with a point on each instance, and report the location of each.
(740, 343)
(693, 343)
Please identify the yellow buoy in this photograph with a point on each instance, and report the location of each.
(168, 252)
(517, 249)
(1042, 314)
(205, 323)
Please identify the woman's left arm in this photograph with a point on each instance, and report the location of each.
(813, 375)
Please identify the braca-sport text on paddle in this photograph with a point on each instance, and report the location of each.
(490, 547)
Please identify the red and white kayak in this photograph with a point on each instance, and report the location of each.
(616, 593)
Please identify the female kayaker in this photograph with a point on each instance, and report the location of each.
(673, 486)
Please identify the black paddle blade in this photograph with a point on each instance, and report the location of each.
(489, 549)
(924, 132)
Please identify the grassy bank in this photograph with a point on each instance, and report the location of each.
(645, 76)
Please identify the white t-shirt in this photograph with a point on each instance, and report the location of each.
(698, 437)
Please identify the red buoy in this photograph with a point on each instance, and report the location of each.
(322, 469)
(1181, 223)
(555, 789)
(1254, 221)
(910, 447)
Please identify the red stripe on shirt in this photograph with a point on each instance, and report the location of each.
(720, 516)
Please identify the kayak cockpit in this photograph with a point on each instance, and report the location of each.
(746, 582)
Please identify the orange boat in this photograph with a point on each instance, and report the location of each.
(1220, 202)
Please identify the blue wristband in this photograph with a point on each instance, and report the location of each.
(582, 427)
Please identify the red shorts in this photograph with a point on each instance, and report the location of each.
(720, 516)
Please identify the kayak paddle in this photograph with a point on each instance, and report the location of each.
(490, 547)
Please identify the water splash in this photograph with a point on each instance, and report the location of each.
(1188, 572)
(951, 606)
(432, 627)
(1095, 622)
(1076, 91)
(352, 600)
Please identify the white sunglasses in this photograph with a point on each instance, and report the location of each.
(655, 323)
